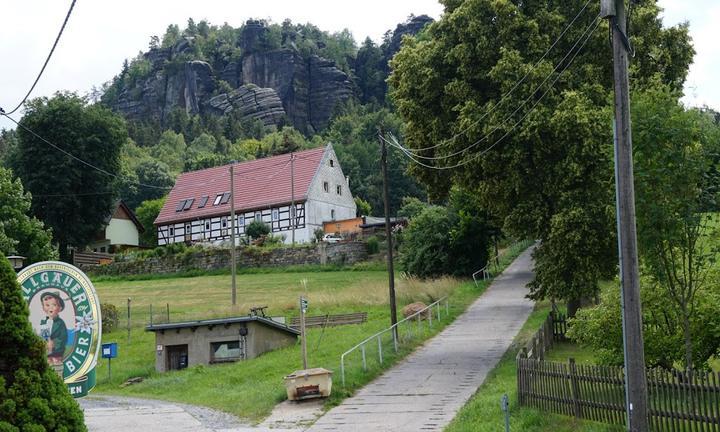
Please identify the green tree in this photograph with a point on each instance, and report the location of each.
(171, 150)
(22, 233)
(550, 178)
(370, 72)
(425, 250)
(146, 213)
(257, 229)
(32, 396)
(363, 207)
(676, 180)
(150, 173)
(85, 195)
(411, 207)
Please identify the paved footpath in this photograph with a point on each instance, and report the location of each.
(426, 390)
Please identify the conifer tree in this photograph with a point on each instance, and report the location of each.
(32, 396)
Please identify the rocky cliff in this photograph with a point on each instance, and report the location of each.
(267, 85)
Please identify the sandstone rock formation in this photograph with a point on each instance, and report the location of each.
(309, 88)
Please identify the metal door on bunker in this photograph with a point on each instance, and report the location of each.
(176, 357)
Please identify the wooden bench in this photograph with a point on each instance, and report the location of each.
(330, 320)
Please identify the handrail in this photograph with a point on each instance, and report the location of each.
(492, 261)
(395, 338)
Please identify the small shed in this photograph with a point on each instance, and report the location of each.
(182, 344)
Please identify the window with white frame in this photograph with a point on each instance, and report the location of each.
(223, 222)
(241, 220)
(172, 231)
(258, 216)
(275, 214)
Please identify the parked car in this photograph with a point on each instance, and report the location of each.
(331, 238)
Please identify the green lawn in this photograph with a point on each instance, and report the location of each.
(250, 389)
(482, 413)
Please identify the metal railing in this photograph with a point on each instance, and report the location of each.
(395, 329)
(493, 262)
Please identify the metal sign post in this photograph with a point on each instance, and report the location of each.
(505, 406)
(303, 309)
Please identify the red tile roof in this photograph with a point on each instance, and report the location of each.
(259, 183)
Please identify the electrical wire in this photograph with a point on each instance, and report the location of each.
(47, 60)
(397, 145)
(519, 107)
(508, 93)
(88, 164)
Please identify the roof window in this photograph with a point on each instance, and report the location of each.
(203, 201)
(225, 198)
(217, 199)
(180, 206)
(188, 203)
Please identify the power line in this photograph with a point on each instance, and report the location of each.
(589, 28)
(506, 95)
(88, 164)
(47, 60)
(396, 144)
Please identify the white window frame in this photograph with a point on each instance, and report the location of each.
(275, 215)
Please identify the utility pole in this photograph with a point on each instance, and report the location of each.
(232, 234)
(636, 399)
(388, 234)
(292, 197)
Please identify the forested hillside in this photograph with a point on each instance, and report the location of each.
(205, 95)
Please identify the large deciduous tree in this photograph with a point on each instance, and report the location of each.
(20, 232)
(70, 197)
(546, 172)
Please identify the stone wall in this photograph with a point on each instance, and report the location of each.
(216, 258)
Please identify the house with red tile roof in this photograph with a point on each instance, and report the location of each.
(198, 207)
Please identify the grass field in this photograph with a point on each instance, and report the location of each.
(250, 389)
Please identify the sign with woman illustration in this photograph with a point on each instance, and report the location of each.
(65, 312)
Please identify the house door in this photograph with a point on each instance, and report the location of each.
(177, 357)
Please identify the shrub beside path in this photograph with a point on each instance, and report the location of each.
(427, 389)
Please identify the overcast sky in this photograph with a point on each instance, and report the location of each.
(101, 34)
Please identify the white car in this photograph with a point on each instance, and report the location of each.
(331, 238)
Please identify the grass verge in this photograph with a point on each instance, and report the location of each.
(483, 413)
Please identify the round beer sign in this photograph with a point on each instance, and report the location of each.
(65, 312)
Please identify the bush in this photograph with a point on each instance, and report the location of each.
(257, 229)
(373, 245)
(32, 396)
(109, 317)
(318, 235)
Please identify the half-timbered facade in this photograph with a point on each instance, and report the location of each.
(198, 207)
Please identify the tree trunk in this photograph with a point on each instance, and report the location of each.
(688, 339)
(64, 254)
(573, 305)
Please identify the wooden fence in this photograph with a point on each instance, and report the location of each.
(678, 401)
(552, 331)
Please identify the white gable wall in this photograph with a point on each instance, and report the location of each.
(323, 204)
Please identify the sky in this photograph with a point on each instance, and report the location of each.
(101, 34)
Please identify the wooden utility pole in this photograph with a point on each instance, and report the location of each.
(292, 197)
(232, 233)
(388, 233)
(635, 380)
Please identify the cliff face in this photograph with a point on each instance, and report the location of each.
(268, 85)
